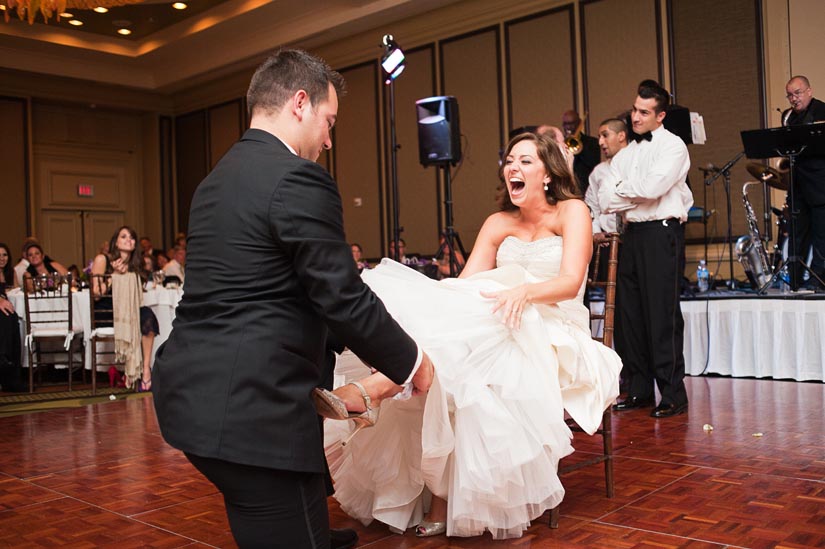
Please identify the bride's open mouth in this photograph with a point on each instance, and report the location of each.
(516, 187)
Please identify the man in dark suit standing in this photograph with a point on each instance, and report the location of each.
(268, 270)
(590, 155)
(808, 227)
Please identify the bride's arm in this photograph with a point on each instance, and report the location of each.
(483, 256)
(576, 230)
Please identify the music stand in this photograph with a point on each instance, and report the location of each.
(788, 142)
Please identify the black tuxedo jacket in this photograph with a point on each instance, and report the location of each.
(268, 269)
(809, 176)
(584, 162)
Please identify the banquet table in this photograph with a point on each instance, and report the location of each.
(162, 301)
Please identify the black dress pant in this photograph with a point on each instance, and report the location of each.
(270, 508)
(809, 232)
(649, 327)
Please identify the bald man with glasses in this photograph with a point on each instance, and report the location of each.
(809, 184)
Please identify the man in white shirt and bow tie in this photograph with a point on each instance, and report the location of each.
(647, 186)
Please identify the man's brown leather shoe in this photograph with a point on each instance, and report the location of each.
(631, 403)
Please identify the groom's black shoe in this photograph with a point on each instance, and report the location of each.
(342, 538)
(631, 403)
(668, 410)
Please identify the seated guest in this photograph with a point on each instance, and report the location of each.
(23, 264)
(149, 267)
(357, 251)
(75, 272)
(41, 264)
(443, 259)
(7, 279)
(161, 259)
(177, 265)
(9, 343)
(124, 296)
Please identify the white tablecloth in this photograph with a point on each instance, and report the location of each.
(779, 338)
(162, 302)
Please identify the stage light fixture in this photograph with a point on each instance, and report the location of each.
(393, 59)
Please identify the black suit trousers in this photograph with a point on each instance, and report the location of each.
(650, 327)
(807, 231)
(270, 508)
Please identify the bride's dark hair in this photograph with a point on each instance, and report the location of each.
(562, 184)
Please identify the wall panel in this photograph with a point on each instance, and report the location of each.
(226, 123)
(471, 71)
(717, 72)
(14, 157)
(620, 48)
(357, 159)
(806, 22)
(192, 161)
(541, 69)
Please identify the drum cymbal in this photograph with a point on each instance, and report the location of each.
(768, 175)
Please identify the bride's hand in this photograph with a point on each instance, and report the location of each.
(512, 303)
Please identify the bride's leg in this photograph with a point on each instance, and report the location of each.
(438, 510)
(378, 387)
(435, 523)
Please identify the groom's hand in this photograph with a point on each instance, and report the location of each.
(423, 378)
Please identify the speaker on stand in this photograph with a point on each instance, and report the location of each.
(439, 144)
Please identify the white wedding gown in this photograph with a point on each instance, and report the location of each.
(489, 434)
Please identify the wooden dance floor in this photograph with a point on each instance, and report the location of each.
(101, 475)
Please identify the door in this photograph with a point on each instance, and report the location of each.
(75, 236)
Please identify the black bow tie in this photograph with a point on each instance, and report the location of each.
(647, 136)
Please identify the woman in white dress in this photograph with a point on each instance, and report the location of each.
(511, 345)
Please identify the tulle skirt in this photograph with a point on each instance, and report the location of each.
(489, 434)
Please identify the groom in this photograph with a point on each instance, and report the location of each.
(268, 269)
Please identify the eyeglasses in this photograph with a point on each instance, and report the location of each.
(797, 93)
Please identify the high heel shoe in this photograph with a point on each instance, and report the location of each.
(330, 405)
(426, 528)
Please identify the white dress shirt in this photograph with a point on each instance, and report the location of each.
(649, 180)
(602, 222)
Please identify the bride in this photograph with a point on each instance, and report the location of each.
(512, 350)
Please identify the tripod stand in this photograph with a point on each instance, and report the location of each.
(725, 171)
(788, 142)
(451, 237)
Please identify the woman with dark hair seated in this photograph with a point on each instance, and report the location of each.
(124, 296)
(9, 328)
(41, 264)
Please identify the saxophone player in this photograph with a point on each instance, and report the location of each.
(808, 227)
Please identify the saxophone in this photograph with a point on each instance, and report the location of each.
(750, 250)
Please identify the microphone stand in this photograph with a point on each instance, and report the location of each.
(725, 171)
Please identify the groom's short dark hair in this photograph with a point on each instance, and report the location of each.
(284, 73)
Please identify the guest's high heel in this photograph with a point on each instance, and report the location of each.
(329, 405)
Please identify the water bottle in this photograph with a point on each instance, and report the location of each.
(703, 276)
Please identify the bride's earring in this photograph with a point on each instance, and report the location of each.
(546, 186)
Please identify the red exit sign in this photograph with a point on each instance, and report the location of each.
(86, 190)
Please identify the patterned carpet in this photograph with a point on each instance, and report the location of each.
(23, 403)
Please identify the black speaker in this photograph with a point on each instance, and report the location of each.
(439, 136)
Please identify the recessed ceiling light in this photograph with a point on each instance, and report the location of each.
(66, 15)
(76, 22)
(2, 7)
(179, 6)
(124, 32)
(101, 9)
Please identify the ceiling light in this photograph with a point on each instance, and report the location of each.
(2, 7)
(76, 22)
(27, 10)
(101, 9)
(179, 6)
(124, 32)
(66, 15)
